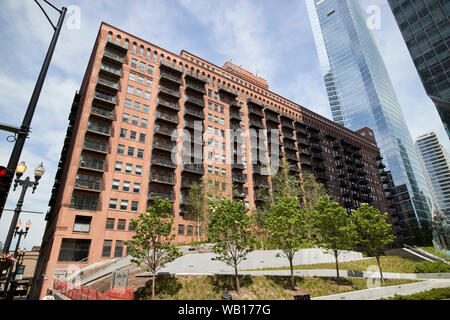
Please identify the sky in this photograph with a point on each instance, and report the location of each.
(270, 38)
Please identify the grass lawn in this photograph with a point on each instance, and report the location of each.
(388, 264)
(432, 250)
(433, 294)
(252, 288)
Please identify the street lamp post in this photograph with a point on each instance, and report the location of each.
(8, 294)
(25, 184)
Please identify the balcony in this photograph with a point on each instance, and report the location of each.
(170, 78)
(318, 157)
(313, 129)
(171, 118)
(170, 105)
(315, 147)
(195, 113)
(302, 142)
(88, 183)
(168, 196)
(92, 164)
(95, 146)
(196, 88)
(358, 154)
(163, 130)
(255, 111)
(251, 101)
(287, 135)
(380, 165)
(195, 101)
(339, 165)
(260, 182)
(193, 168)
(106, 84)
(162, 179)
(193, 125)
(318, 166)
(105, 114)
(229, 91)
(305, 162)
(235, 116)
(322, 177)
(105, 98)
(116, 46)
(97, 128)
(187, 183)
(239, 193)
(359, 163)
(291, 156)
(255, 123)
(272, 118)
(287, 124)
(110, 70)
(171, 68)
(113, 57)
(352, 177)
(305, 153)
(164, 146)
(290, 145)
(238, 179)
(331, 136)
(235, 105)
(171, 93)
(302, 131)
(162, 162)
(238, 166)
(295, 169)
(315, 137)
(336, 146)
(191, 76)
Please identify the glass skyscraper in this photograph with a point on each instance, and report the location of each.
(425, 26)
(436, 165)
(361, 94)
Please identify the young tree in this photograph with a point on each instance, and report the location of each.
(196, 210)
(312, 192)
(286, 226)
(231, 231)
(374, 233)
(333, 227)
(284, 183)
(152, 246)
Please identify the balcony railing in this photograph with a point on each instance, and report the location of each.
(98, 128)
(235, 115)
(108, 83)
(163, 162)
(196, 101)
(238, 178)
(164, 145)
(195, 87)
(165, 103)
(92, 164)
(110, 99)
(255, 111)
(172, 93)
(256, 123)
(92, 145)
(114, 56)
(158, 178)
(110, 69)
(195, 113)
(287, 135)
(164, 130)
(272, 117)
(84, 202)
(103, 113)
(193, 168)
(228, 91)
(167, 196)
(167, 117)
(172, 78)
(88, 185)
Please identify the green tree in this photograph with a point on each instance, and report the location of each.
(284, 183)
(312, 192)
(374, 232)
(231, 231)
(196, 208)
(286, 226)
(152, 246)
(333, 228)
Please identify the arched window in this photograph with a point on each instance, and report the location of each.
(133, 48)
(147, 55)
(154, 56)
(126, 43)
(118, 39)
(161, 58)
(109, 37)
(141, 51)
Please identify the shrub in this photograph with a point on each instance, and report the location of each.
(431, 267)
(433, 294)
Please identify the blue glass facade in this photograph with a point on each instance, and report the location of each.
(361, 94)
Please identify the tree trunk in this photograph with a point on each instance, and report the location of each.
(337, 263)
(379, 267)
(292, 273)
(153, 286)
(237, 279)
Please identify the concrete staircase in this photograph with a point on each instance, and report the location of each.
(106, 270)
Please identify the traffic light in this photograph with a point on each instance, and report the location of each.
(5, 179)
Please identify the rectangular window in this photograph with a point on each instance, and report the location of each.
(138, 170)
(147, 95)
(132, 77)
(106, 252)
(134, 63)
(150, 68)
(82, 224)
(135, 120)
(139, 92)
(126, 186)
(142, 66)
(181, 229)
(209, 116)
(140, 153)
(133, 135)
(222, 121)
(128, 103)
(118, 250)
(131, 227)
(115, 184)
(140, 79)
(130, 151)
(128, 168)
(148, 82)
(130, 89)
(190, 230)
(118, 166)
(74, 249)
(113, 203)
(137, 106)
(123, 133)
(216, 119)
(216, 171)
(124, 205)
(121, 224)
(120, 149)
(141, 137)
(136, 187)
(210, 169)
(125, 117)
(224, 172)
(143, 123)
(134, 206)
(110, 224)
